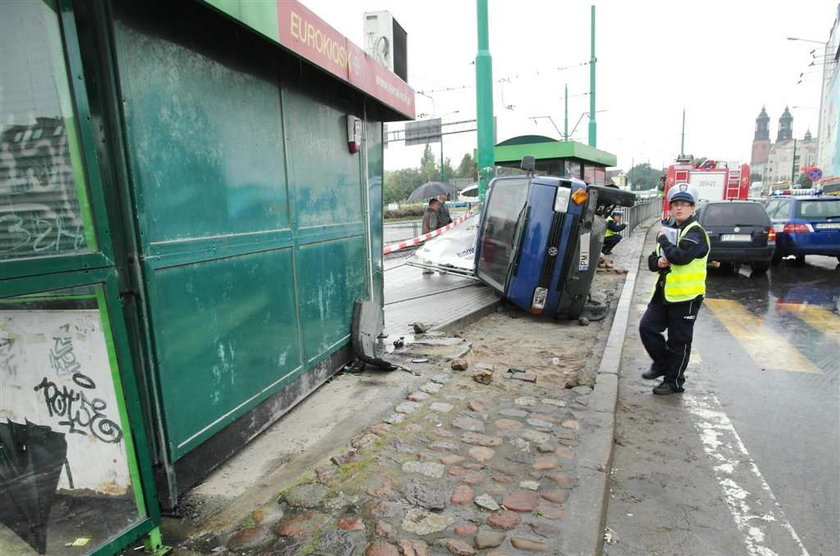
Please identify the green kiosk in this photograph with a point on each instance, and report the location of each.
(190, 204)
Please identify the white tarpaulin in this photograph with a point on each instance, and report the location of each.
(454, 249)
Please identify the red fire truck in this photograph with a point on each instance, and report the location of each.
(712, 180)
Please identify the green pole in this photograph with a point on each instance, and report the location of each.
(682, 136)
(484, 102)
(441, 159)
(566, 115)
(593, 126)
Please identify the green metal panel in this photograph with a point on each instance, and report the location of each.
(251, 215)
(226, 333)
(331, 275)
(325, 175)
(205, 137)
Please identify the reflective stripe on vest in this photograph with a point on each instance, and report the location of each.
(685, 282)
(609, 232)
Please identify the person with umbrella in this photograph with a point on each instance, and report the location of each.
(443, 211)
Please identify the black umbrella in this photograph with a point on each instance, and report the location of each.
(432, 189)
(31, 457)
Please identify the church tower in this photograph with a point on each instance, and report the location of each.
(785, 127)
(761, 142)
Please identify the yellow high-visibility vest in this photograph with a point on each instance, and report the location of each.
(609, 232)
(685, 282)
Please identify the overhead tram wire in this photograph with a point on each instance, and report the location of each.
(507, 79)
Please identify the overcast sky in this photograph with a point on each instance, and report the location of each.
(720, 60)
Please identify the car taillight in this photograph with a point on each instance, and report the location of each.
(798, 228)
(771, 235)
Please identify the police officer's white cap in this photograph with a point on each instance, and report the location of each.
(681, 192)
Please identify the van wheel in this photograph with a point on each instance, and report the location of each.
(800, 260)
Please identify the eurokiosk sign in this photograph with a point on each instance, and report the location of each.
(298, 29)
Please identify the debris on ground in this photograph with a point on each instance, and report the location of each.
(610, 536)
(460, 365)
(483, 376)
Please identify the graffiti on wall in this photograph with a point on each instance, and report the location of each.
(55, 371)
(39, 207)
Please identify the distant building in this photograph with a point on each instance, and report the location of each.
(774, 162)
(761, 143)
(829, 131)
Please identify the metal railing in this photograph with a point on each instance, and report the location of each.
(640, 212)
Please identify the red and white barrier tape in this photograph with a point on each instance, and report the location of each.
(420, 239)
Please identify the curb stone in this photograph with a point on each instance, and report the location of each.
(586, 512)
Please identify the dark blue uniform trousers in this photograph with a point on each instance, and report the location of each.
(669, 356)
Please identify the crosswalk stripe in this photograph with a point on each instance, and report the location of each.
(821, 319)
(765, 346)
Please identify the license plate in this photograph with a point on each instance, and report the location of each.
(829, 226)
(735, 237)
(583, 262)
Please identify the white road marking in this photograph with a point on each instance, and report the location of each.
(722, 443)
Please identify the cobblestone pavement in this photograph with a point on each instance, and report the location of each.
(459, 467)
(451, 471)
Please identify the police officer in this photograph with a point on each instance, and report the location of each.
(613, 234)
(677, 295)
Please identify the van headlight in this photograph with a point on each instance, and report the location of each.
(561, 199)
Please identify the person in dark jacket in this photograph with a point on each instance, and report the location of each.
(443, 211)
(431, 218)
(431, 221)
(680, 261)
(613, 234)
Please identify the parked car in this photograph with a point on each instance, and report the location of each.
(740, 232)
(805, 226)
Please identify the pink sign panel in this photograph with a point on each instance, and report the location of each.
(306, 34)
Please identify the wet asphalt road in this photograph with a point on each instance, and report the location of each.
(747, 461)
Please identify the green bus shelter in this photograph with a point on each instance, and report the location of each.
(190, 203)
(556, 158)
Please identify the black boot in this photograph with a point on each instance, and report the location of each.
(665, 388)
(653, 373)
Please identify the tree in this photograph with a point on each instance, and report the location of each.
(448, 170)
(428, 166)
(467, 168)
(804, 181)
(400, 183)
(642, 176)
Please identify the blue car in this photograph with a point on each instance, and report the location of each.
(805, 226)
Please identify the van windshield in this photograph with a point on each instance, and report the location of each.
(740, 214)
(498, 237)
